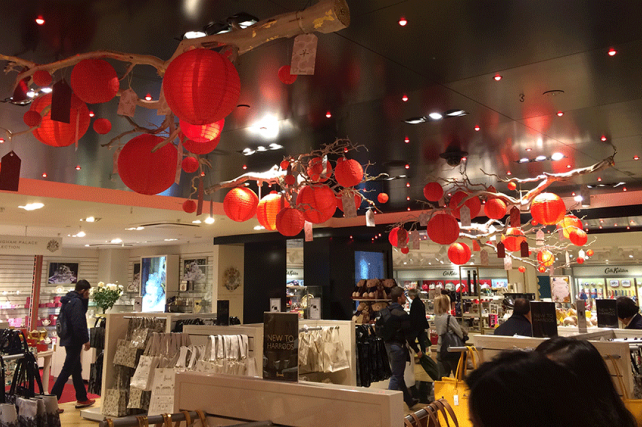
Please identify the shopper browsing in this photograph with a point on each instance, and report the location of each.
(520, 322)
(418, 319)
(629, 313)
(444, 322)
(74, 336)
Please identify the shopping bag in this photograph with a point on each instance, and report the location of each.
(455, 391)
(51, 416)
(162, 396)
(27, 412)
(96, 375)
(97, 334)
(409, 372)
(8, 415)
(115, 403)
(430, 366)
(125, 354)
(144, 375)
(633, 405)
(138, 399)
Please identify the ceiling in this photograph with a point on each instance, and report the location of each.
(444, 58)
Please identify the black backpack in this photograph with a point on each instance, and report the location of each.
(62, 326)
(384, 328)
(450, 339)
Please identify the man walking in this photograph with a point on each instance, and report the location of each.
(74, 336)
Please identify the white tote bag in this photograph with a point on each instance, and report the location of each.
(8, 415)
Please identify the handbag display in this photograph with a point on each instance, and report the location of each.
(96, 375)
(97, 334)
(432, 415)
(125, 354)
(450, 339)
(115, 402)
(8, 415)
(455, 391)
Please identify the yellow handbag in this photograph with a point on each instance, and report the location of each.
(633, 405)
(455, 391)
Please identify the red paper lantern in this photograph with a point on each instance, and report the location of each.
(267, 210)
(318, 203)
(474, 204)
(315, 170)
(589, 252)
(580, 260)
(459, 253)
(495, 208)
(144, 171)
(201, 86)
(512, 186)
(357, 201)
(102, 126)
(534, 223)
(382, 198)
(290, 180)
(202, 133)
(405, 250)
(32, 118)
(548, 208)
(190, 165)
(348, 173)
(433, 192)
(541, 269)
(521, 269)
(201, 147)
(285, 164)
(578, 237)
(285, 76)
(289, 221)
(443, 229)
(94, 81)
(189, 206)
(240, 204)
(42, 78)
(393, 238)
(513, 238)
(58, 134)
(545, 258)
(568, 224)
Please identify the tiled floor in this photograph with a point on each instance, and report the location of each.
(71, 417)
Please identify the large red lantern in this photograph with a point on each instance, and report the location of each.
(240, 204)
(474, 204)
(201, 86)
(144, 171)
(547, 208)
(348, 172)
(459, 253)
(267, 210)
(433, 192)
(201, 147)
(202, 133)
(578, 237)
(393, 238)
(289, 221)
(285, 76)
(443, 229)
(545, 258)
(318, 203)
(568, 224)
(94, 81)
(495, 208)
(102, 126)
(315, 170)
(513, 239)
(58, 134)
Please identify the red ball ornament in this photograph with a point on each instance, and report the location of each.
(589, 252)
(32, 118)
(58, 134)
(521, 269)
(382, 198)
(290, 221)
(443, 229)
(580, 260)
(202, 133)
(190, 165)
(534, 223)
(348, 172)
(495, 208)
(285, 76)
(568, 224)
(318, 203)
(546, 258)
(357, 201)
(433, 192)
(94, 81)
(512, 186)
(459, 253)
(405, 250)
(267, 210)
(290, 180)
(144, 171)
(315, 170)
(189, 206)
(102, 126)
(201, 147)
(201, 86)
(240, 204)
(424, 288)
(547, 208)
(541, 269)
(285, 164)
(393, 237)
(513, 239)
(578, 237)
(42, 78)
(474, 204)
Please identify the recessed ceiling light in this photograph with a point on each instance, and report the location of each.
(612, 52)
(259, 227)
(148, 97)
(529, 149)
(403, 21)
(524, 160)
(170, 240)
(415, 120)
(328, 114)
(557, 156)
(477, 128)
(81, 234)
(636, 157)
(116, 240)
(406, 140)
(44, 175)
(244, 167)
(90, 219)
(194, 34)
(41, 21)
(209, 220)
(92, 114)
(435, 116)
(78, 167)
(32, 206)
(455, 113)
(404, 98)
(508, 173)
(560, 113)
(497, 77)
(599, 179)
(196, 221)
(603, 138)
(540, 158)
(407, 166)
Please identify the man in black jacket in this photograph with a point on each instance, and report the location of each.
(418, 319)
(398, 354)
(628, 313)
(72, 315)
(520, 322)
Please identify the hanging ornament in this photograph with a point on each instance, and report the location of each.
(393, 238)
(42, 78)
(512, 186)
(580, 260)
(405, 250)
(190, 165)
(58, 134)
(589, 252)
(144, 171)
(202, 133)
(547, 208)
(541, 269)
(382, 198)
(285, 164)
(522, 269)
(443, 229)
(267, 210)
(240, 204)
(513, 239)
(102, 126)
(189, 206)
(476, 246)
(317, 202)
(32, 118)
(285, 76)
(94, 81)
(316, 170)
(523, 247)
(357, 200)
(568, 224)
(289, 222)
(501, 250)
(433, 192)
(495, 208)
(578, 237)
(459, 253)
(546, 258)
(348, 172)
(474, 204)
(201, 147)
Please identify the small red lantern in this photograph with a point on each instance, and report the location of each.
(102, 126)
(267, 210)
(94, 81)
(578, 237)
(348, 173)
(202, 133)
(285, 76)
(315, 170)
(285, 164)
(58, 134)
(201, 86)
(393, 238)
(541, 269)
(495, 208)
(357, 201)
(521, 269)
(317, 202)
(443, 229)
(32, 118)
(433, 192)
(474, 204)
(568, 224)
(290, 180)
(513, 239)
(534, 223)
(289, 221)
(190, 165)
(405, 250)
(512, 186)
(580, 260)
(42, 78)
(546, 258)
(589, 252)
(201, 147)
(144, 171)
(459, 253)
(189, 206)
(547, 208)
(382, 198)
(240, 204)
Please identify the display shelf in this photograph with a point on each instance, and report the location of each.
(372, 299)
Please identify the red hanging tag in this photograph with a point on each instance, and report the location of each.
(199, 207)
(61, 102)
(402, 238)
(10, 172)
(501, 250)
(515, 220)
(476, 247)
(77, 125)
(523, 247)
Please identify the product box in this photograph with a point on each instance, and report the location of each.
(50, 305)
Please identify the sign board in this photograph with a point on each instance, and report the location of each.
(544, 319)
(581, 316)
(223, 312)
(281, 346)
(606, 313)
(19, 245)
(315, 308)
(275, 305)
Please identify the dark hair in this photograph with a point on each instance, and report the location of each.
(521, 306)
(395, 293)
(626, 307)
(522, 389)
(582, 359)
(81, 285)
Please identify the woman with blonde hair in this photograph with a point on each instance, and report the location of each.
(444, 322)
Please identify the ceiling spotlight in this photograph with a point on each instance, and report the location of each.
(31, 94)
(90, 219)
(508, 173)
(455, 113)
(403, 21)
(497, 77)
(148, 97)
(32, 206)
(603, 138)
(91, 114)
(274, 146)
(44, 175)
(328, 114)
(612, 52)
(477, 128)
(78, 167)
(557, 156)
(41, 21)
(81, 234)
(259, 227)
(560, 113)
(194, 34)
(261, 148)
(529, 149)
(404, 98)
(209, 220)
(116, 240)
(406, 140)
(407, 166)
(435, 116)
(540, 158)
(196, 221)
(599, 179)
(415, 120)
(636, 157)
(524, 160)
(45, 89)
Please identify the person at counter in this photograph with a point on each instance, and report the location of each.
(520, 322)
(629, 313)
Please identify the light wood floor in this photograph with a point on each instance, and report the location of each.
(71, 417)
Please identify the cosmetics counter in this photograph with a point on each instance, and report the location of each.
(606, 281)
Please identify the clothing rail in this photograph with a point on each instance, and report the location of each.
(14, 356)
(133, 421)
